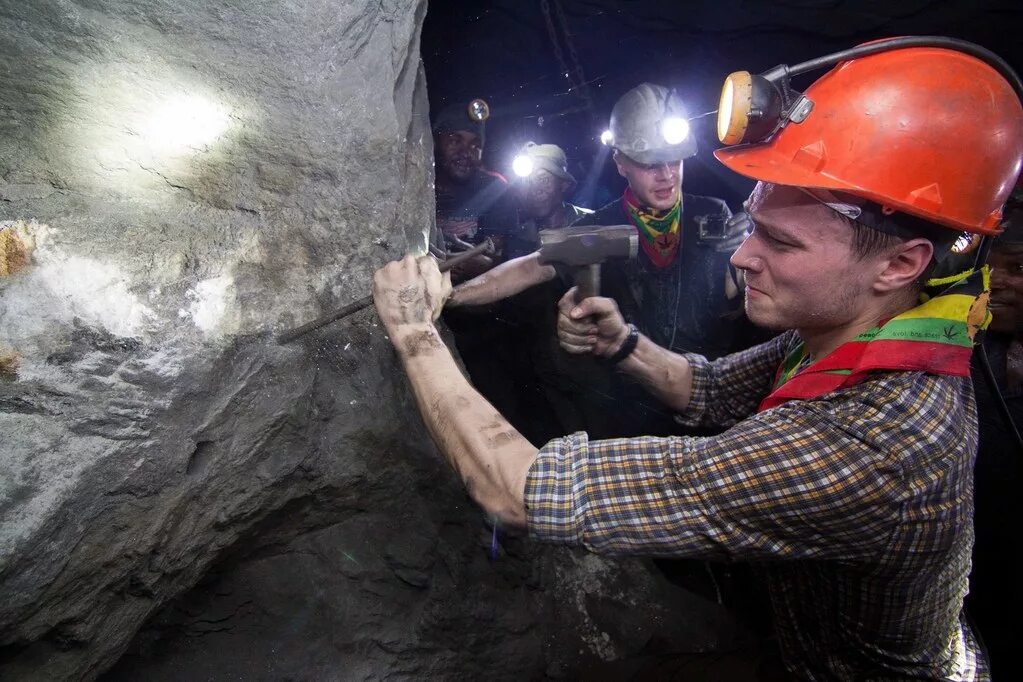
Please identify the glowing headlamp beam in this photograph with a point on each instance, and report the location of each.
(523, 166)
(675, 129)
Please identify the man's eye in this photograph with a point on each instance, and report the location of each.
(771, 239)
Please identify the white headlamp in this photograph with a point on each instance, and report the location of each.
(523, 166)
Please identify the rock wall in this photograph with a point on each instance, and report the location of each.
(179, 180)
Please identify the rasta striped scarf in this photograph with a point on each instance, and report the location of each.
(935, 337)
(659, 235)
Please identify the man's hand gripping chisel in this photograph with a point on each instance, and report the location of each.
(451, 261)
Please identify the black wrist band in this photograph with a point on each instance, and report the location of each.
(627, 347)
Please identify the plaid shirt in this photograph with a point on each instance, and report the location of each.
(857, 506)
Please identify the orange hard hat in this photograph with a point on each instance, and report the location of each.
(931, 132)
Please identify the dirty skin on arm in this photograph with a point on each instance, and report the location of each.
(419, 342)
(489, 455)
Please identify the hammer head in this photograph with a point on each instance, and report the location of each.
(588, 245)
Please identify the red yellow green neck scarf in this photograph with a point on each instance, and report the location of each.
(934, 337)
(659, 236)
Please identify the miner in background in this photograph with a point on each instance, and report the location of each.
(542, 186)
(994, 580)
(474, 204)
(680, 291)
(847, 472)
(542, 191)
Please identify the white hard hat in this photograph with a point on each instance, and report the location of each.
(650, 125)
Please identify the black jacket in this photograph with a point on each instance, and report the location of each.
(682, 306)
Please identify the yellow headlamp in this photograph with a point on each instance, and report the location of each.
(752, 108)
(749, 110)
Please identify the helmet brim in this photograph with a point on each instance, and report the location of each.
(761, 162)
(649, 157)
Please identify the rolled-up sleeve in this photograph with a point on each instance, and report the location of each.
(792, 482)
(613, 496)
(696, 411)
(729, 389)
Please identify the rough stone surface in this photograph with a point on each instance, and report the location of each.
(178, 181)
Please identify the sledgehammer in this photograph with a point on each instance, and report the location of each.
(451, 261)
(584, 248)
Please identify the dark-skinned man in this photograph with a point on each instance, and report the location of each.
(846, 473)
(541, 188)
(993, 580)
(542, 195)
(473, 204)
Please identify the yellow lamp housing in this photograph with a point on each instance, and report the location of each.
(749, 110)
(734, 106)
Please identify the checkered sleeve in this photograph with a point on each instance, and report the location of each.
(730, 389)
(811, 480)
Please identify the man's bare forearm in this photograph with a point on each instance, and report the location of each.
(490, 456)
(507, 279)
(665, 374)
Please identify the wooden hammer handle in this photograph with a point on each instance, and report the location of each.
(587, 281)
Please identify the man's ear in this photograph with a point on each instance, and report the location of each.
(904, 265)
(618, 163)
